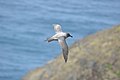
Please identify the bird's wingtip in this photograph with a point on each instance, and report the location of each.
(65, 60)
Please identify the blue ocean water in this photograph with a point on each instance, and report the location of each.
(25, 24)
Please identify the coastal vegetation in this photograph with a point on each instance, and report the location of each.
(96, 57)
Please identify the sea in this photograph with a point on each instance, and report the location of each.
(26, 24)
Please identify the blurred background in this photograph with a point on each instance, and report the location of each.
(25, 24)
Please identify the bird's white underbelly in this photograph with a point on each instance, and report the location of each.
(60, 34)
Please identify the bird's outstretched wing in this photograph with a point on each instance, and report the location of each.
(57, 28)
(64, 46)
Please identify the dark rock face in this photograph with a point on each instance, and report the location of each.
(96, 57)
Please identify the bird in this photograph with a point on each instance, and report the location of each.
(61, 37)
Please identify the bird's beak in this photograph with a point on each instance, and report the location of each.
(71, 36)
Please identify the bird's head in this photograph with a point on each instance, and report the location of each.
(68, 35)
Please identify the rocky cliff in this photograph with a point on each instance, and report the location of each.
(96, 57)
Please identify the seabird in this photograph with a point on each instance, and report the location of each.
(60, 36)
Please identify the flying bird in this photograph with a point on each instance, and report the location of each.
(60, 36)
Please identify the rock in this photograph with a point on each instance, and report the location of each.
(95, 57)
